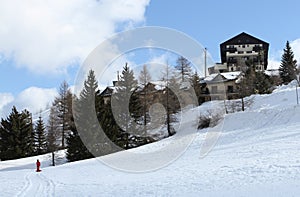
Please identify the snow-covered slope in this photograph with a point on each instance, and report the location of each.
(257, 154)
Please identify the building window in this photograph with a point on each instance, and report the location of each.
(230, 89)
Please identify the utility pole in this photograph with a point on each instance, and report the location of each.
(205, 62)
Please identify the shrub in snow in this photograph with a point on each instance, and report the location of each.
(209, 118)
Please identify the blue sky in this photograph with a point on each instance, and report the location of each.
(212, 22)
(46, 42)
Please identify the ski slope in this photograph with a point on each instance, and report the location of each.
(257, 154)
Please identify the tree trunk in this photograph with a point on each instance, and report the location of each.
(243, 104)
(53, 159)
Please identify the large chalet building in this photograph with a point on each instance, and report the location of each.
(241, 51)
(237, 54)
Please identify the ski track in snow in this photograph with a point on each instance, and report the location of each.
(37, 184)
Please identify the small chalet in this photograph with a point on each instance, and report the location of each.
(106, 93)
(222, 85)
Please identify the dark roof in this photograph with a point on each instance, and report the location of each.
(107, 91)
(241, 39)
(244, 38)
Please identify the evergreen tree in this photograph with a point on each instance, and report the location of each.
(16, 135)
(253, 82)
(86, 139)
(263, 83)
(28, 133)
(40, 137)
(108, 123)
(76, 150)
(125, 105)
(288, 66)
(195, 82)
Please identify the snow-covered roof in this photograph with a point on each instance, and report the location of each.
(227, 76)
(272, 72)
(159, 85)
(231, 75)
(210, 77)
(185, 85)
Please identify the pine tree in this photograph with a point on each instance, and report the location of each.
(40, 138)
(125, 104)
(195, 82)
(16, 135)
(288, 66)
(108, 124)
(76, 150)
(86, 139)
(27, 133)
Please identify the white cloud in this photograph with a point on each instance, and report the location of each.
(296, 49)
(33, 99)
(273, 64)
(47, 36)
(274, 59)
(157, 64)
(5, 99)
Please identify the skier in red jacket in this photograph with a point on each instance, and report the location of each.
(38, 165)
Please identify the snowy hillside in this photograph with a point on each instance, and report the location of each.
(257, 154)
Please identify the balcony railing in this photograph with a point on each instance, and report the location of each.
(232, 60)
(224, 92)
(257, 48)
(231, 50)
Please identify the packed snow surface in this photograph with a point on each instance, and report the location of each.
(257, 153)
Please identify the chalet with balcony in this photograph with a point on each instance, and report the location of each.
(241, 51)
(237, 54)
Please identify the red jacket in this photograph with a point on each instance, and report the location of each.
(38, 163)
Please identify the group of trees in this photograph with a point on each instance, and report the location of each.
(254, 82)
(123, 121)
(101, 127)
(20, 137)
(106, 127)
